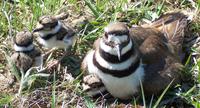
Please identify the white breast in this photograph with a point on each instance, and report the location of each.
(123, 87)
(53, 42)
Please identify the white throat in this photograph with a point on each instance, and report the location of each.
(21, 48)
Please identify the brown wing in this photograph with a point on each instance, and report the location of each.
(162, 65)
(37, 57)
(62, 33)
(65, 30)
(36, 52)
(171, 25)
(151, 42)
(139, 34)
(155, 47)
(22, 61)
(161, 74)
(96, 43)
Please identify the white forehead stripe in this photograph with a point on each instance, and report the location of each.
(113, 51)
(21, 48)
(55, 30)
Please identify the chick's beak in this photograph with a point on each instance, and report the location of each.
(119, 50)
(38, 28)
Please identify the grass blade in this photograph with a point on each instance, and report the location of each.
(53, 102)
(143, 96)
(161, 96)
(91, 6)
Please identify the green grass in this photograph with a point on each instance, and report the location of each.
(53, 103)
(24, 15)
(5, 99)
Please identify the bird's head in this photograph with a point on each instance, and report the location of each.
(116, 36)
(46, 23)
(23, 41)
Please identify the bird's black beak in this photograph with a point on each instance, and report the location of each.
(119, 50)
(39, 28)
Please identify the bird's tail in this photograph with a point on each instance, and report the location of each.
(174, 27)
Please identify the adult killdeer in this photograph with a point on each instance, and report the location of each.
(53, 33)
(124, 57)
(26, 54)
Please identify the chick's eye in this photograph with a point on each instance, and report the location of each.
(106, 35)
(40, 21)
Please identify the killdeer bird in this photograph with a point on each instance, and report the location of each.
(124, 57)
(26, 54)
(53, 33)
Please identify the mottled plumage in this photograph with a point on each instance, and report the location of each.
(25, 53)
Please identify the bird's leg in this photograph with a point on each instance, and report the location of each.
(39, 63)
(64, 55)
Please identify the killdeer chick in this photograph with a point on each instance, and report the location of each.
(53, 33)
(93, 85)
(26, 54)
(124, 57)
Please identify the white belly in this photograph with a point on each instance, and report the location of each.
(123, 87)
(53, 42)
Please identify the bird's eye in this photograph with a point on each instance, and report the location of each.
(106, 35)
(40, 21)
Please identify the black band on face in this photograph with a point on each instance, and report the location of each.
(118, 32)
(118, 73)
(47, 37)
(113, 58)
(112, 44)
(51, 25)
(60, 33)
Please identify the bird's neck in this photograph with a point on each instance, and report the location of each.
(105, 58)
(28, 48)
